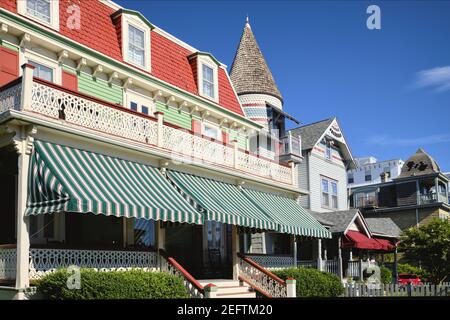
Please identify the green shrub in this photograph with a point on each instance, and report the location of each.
(313, 283)
(133, 284)
(386, 275)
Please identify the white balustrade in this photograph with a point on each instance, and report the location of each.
(73, 109)
(10, 98)
(262, 279)
(7, 264)
(272, 261)
(44, 261)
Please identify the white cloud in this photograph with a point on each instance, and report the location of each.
(386, 140)
(437, 78)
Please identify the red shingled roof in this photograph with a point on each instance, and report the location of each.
(169, 59)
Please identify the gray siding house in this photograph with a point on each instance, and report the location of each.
(323, 171)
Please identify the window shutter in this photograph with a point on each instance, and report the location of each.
(69, 81)
(9, 65)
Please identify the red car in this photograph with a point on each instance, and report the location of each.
(405, 278)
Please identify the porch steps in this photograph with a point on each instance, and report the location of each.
(230, 288)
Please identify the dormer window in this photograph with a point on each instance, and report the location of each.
(135, 33)
(39, 9)
(43, 11)
(136, 45)
(208, 81)
(206, 67)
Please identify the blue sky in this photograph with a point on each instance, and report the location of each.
(389, 88)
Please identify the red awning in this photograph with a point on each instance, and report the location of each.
(355, 239)
(386, 244)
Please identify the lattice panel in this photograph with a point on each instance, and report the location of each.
(43, 261)
(192, 290)
(76, 110)
(273, 262)
(8, 264)
(10, 98)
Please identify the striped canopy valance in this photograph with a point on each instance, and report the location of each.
(65, 179)
(222, 202)
(291, 217)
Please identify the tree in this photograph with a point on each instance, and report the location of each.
(429, 244)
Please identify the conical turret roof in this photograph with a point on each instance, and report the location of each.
(249, 72)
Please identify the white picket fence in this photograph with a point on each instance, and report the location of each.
(395, 290)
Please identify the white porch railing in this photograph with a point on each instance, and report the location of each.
(312, 264)
(272, 261)
(7, 263)
(261, 279)
(330, 266)
(44, 261)
(77, 110)
(394, 290)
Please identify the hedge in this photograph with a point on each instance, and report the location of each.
(386, 275)
(313, 283)
(133, 284)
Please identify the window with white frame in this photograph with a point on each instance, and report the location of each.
(43, 11)
(208, 81)
(41, 71)
(367, 174)
(325, 193)
(351, 177)
(334, 194)
(136, 45)
(329, 193)
(140, 103)
(211, 131)
(136, 41)
(328, 151)
(207, 77)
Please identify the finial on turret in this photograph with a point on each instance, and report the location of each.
(247, 21)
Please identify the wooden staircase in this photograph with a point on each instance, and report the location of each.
(230, 288)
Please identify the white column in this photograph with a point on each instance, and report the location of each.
(27, 85)
(319, 254)
(340, 265)
(291, 288)
(294, 250)
(23, 143)
(293, 173)
(160, 118)
(160, 241)
(235, 153)
(235, 251)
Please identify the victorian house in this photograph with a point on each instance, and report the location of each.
(417, 195)
(323, 173)
(124, 147)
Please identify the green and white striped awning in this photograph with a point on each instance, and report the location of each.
(222, 202)
(64, 179)
(291, 217)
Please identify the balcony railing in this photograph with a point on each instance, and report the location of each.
(291, 146)
(427, 198)
(366, 202)
(83, 112)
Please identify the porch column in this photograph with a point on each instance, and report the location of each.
(160, 240)
(23, 143)
(319, 254)
(340, 265)
(395, 271)
(350, 255)
(294, 250)
(235, 251)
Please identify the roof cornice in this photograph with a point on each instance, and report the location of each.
(134, 13)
